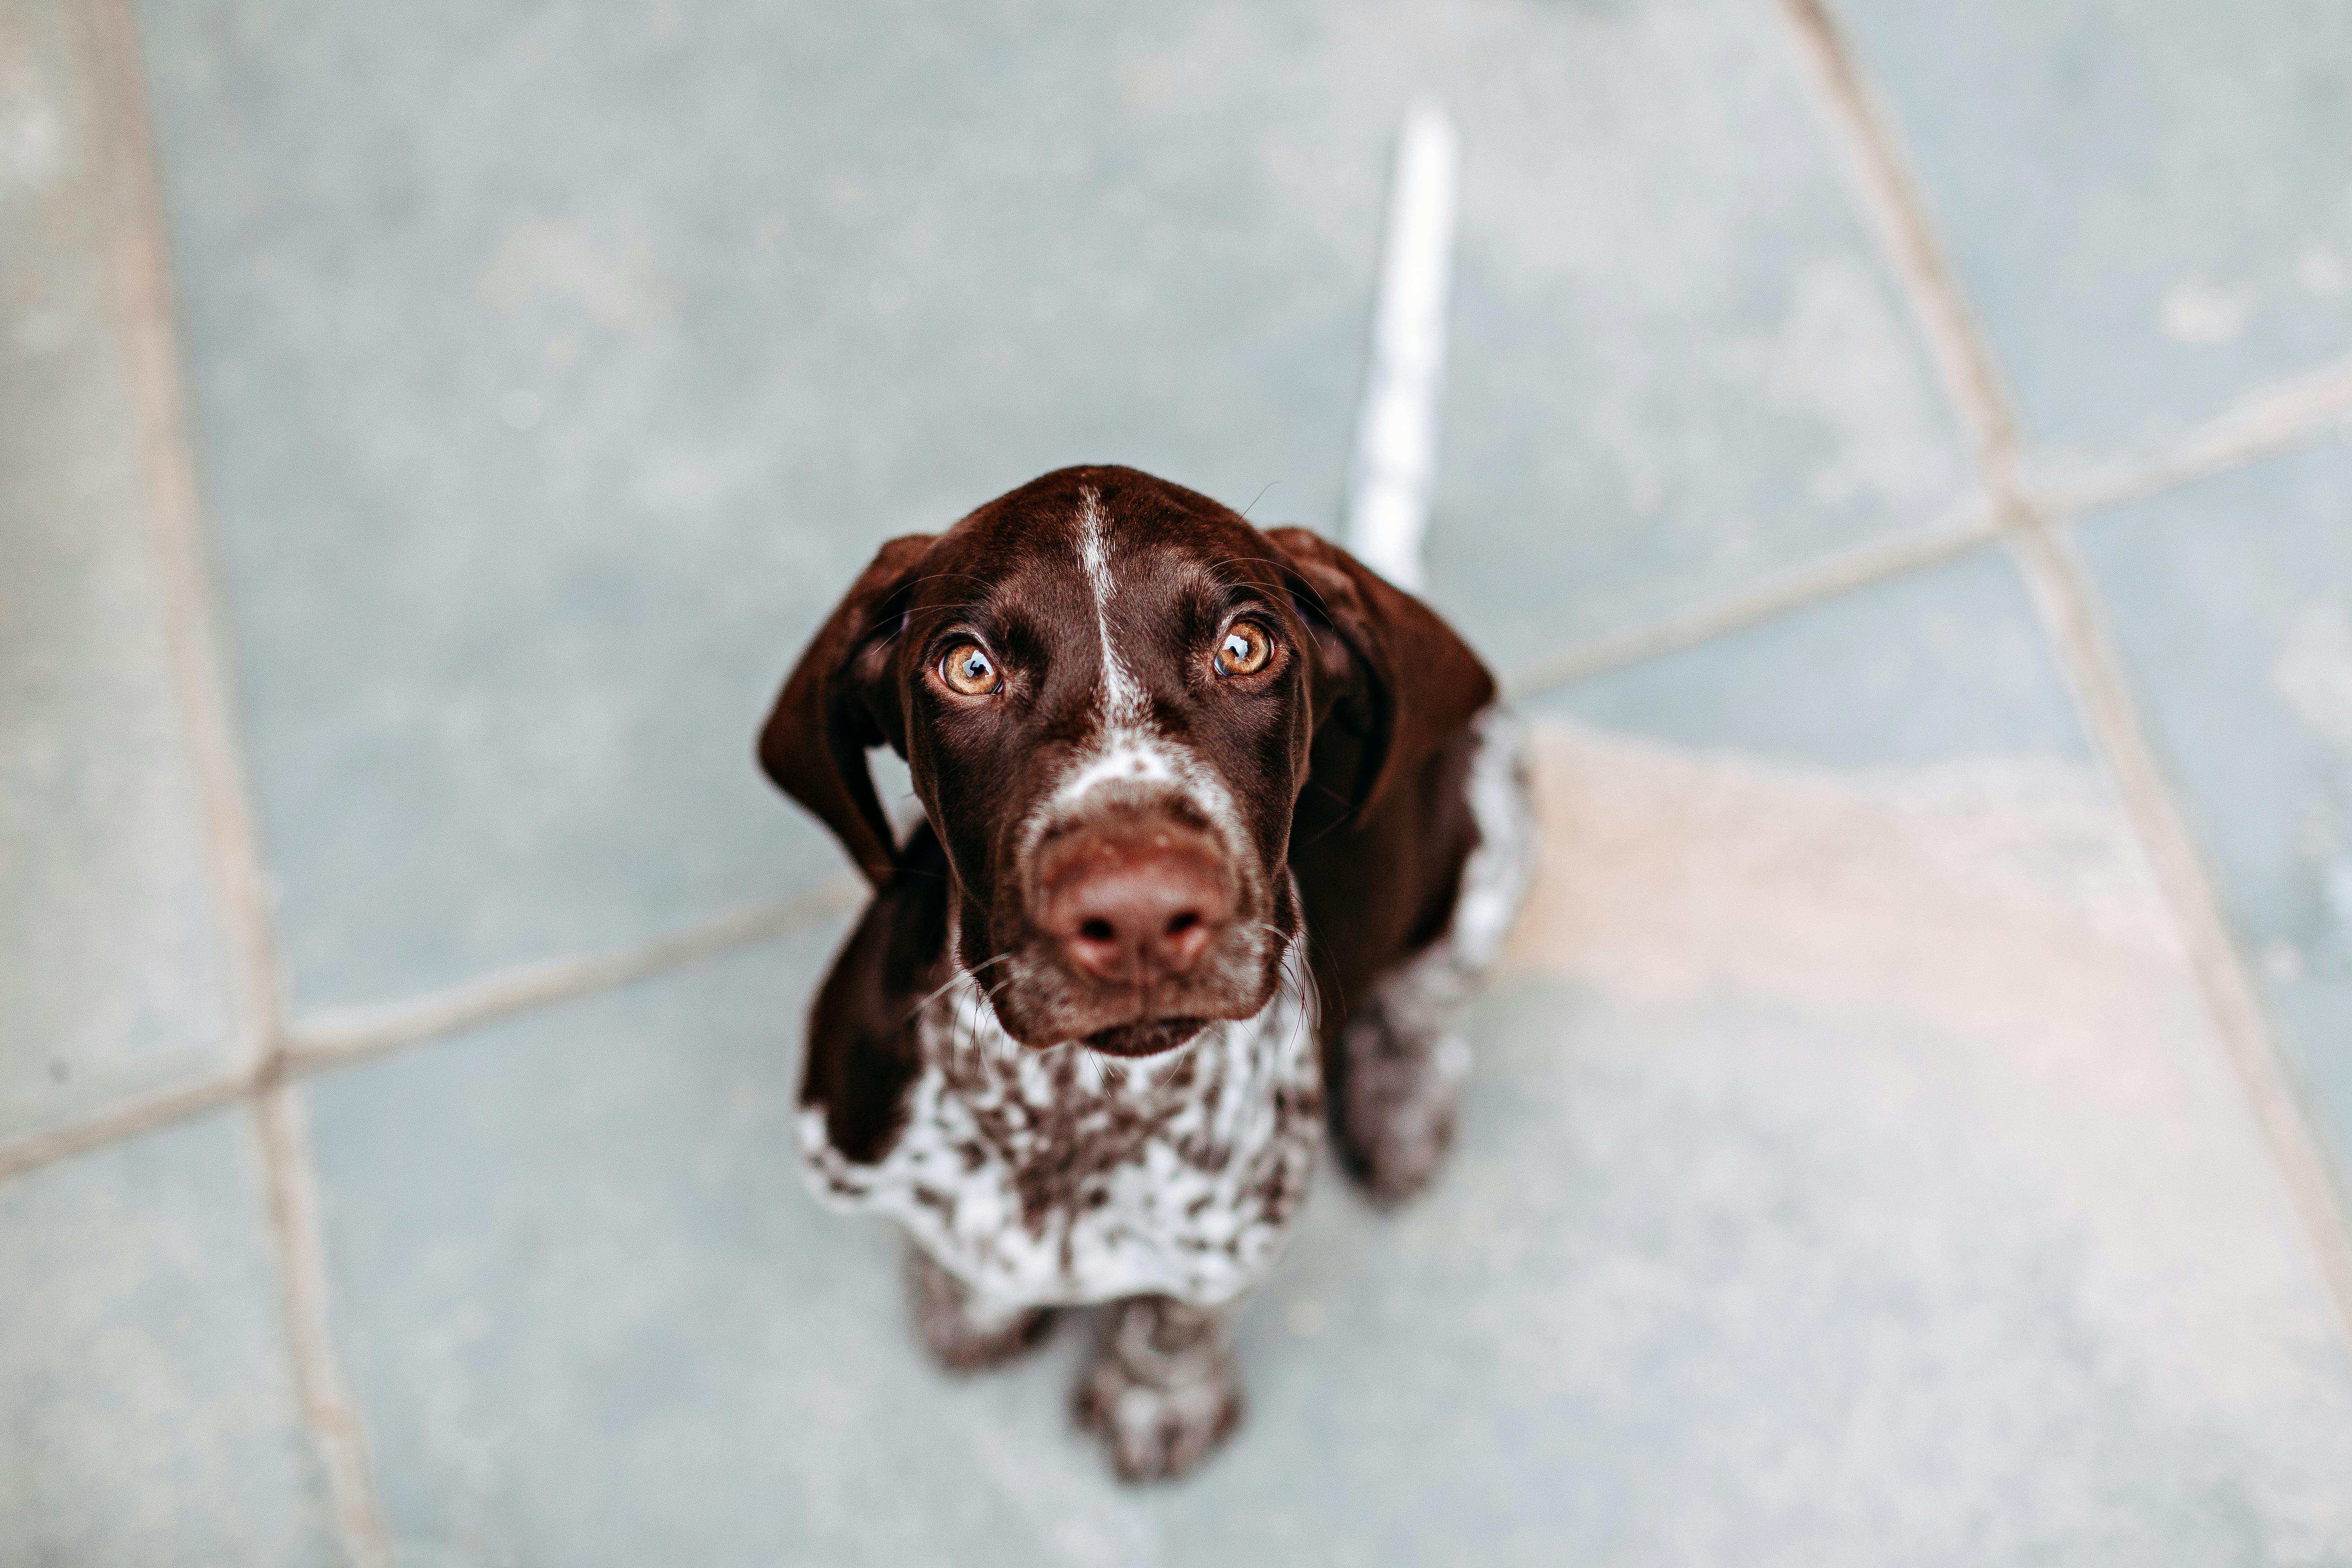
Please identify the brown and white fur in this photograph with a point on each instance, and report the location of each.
(1233, 830)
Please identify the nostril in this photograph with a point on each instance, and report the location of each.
(1133, 907)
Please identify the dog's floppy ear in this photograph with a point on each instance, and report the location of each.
(1391, 676)
(836, 704)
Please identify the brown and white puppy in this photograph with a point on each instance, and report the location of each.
(1214, 818)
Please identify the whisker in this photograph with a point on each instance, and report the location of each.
(988, 997)
(1174, 1057)
(957, 978)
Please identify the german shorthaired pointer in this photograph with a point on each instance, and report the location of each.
(1216, 821)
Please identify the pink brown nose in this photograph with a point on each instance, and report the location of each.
(1135, 906)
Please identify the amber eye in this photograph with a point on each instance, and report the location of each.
(1245, 650)
(967, 668)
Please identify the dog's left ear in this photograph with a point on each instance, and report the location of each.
(1390, 675)
(838, 704)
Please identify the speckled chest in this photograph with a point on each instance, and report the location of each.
(1061, 1176)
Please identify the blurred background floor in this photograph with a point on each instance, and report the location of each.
(1902, 456)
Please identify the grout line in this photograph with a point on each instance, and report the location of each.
(345, 1037)
(2068, 606)
(1887, 195)
(2272, 419)
(348, 1035)
(192, 615)
(123, 1121)
(2062, 588)
(175, 510)
(296, 1215)
(1966, 527)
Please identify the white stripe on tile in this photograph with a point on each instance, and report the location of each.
(1396, 434)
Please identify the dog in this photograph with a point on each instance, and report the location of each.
(1218, 829)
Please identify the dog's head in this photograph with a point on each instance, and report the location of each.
(1117, 699)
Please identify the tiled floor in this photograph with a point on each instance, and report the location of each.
(1865, 1161)
(153, 1410)
(2150, 205)
(2233, 607)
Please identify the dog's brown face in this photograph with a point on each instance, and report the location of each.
(1110, 692)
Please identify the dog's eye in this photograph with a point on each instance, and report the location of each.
(967, 668)
(1245, 649)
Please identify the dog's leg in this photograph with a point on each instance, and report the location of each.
(1162, 1389)
(965, 1333)
(1401, 1067)
(1402, 1057)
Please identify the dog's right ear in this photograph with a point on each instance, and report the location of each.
(838, 704)
(1401, 683)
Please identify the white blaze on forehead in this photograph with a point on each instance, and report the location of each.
(1131, 756)
(1124, 747)
(1122, 694)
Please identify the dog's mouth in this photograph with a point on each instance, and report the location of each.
(1145, 1036)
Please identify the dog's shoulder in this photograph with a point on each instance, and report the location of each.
(863, 1055)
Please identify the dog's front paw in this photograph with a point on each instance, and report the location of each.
(1162, 1391)
(1398, 1106)
(962, 1333)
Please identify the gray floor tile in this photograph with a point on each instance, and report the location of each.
(149, 1400)
(1947, 665)
(543, 425)
(2231, 601)
(1676, 363)
(2149, 205)
(113, 965)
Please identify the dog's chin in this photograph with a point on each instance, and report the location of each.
(1146, 1036)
